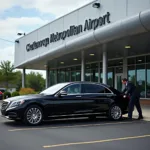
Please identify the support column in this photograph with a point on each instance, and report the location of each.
(82, 66)
(104, 64)
(56, 78)
(47, 77)
(99, 73)
(125, 69)
(23, 77)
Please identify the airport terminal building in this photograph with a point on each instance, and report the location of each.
(103, 41)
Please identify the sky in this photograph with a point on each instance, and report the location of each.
(27, 15)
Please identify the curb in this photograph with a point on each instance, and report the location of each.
(145, 102)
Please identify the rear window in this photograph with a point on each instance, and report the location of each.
(114, 91)
(94, 88)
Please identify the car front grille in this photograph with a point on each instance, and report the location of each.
(4, 105)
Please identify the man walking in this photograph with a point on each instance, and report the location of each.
(134, 93)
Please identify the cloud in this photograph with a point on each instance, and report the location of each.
(10, 3)
(58, 8)
(10, 26)
(7, 54)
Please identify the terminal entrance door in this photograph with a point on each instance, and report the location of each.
(118, 81)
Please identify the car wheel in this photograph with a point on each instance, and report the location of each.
(115, 112)
(33, 115)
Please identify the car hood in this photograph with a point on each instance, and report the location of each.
(24, 97)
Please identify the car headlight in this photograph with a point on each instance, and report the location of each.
(16, 104)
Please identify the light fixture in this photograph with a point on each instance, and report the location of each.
(139, 60)
(21, 34)
(62, 62)
(96, 5)
(92, 54)
(120, 62)
(127, 46)
(75, 59)
(17, 41)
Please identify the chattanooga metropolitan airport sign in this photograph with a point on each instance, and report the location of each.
(72, 31)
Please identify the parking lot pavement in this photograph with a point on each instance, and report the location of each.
(76, 134)
(145, 110)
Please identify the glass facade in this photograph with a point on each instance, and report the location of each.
(61, 75)
(110, 76)
(138, 70)
(88, 72)
(131, 74)
(148, 81)
(53, 77)
(139, 74)
(68, 75)
(140, 79)
(65, 75)
(91, 72)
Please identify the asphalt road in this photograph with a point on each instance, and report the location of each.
(79, 134)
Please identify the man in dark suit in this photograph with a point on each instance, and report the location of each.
(134, 93)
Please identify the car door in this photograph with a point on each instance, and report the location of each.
(96, 97)
(71, 103)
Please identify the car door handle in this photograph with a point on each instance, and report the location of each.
(78, 96)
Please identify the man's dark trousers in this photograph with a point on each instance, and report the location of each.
(134, 101)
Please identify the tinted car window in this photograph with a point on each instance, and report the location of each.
(93, 88)
(107, 90)
(73, 89)
(115, 91)
(53, 89)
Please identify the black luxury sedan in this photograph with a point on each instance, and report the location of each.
(64, 100)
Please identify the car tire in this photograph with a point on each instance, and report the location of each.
(33, 115)
(17, 120)
(115, 112)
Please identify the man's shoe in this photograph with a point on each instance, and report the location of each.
(140, 118)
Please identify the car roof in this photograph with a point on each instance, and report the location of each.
(96, 83)
(87, 82)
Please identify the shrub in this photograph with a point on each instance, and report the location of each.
(15, 94)
(26, 91)
(7, 95)
(37, 92)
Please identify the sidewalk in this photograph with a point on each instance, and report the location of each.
(146, 112)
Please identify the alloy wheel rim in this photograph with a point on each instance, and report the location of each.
(116, 112)
(34, 115)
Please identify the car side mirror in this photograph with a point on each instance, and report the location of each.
(62, 93)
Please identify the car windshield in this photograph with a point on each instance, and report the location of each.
(53, 89)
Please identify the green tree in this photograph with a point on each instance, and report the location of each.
(18, 80)
(35, 81)
(1, 75)
(7, 74)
